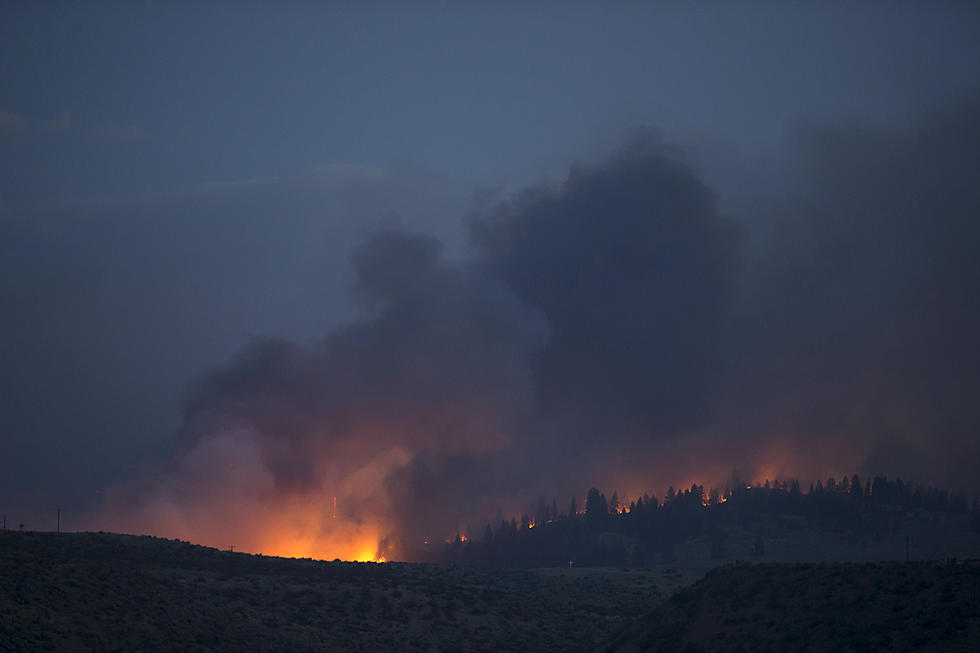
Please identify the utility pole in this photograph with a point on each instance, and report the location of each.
(59, 520)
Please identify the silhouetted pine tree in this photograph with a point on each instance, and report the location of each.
(596, 507)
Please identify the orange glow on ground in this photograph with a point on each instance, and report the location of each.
(365, 555)
(206, 500)
(356, 543)
(222, 495)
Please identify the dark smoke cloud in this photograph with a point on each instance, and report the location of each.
(619, 327)
(436, 371)
(858, 322)
(634, 267)
(599, 305)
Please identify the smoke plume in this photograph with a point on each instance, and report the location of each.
(616, 329)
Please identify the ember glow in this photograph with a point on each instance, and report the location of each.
(222, 494)
(207, 500)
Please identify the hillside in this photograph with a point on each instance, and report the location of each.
(105, 591)
(99, 591)
(915, 606)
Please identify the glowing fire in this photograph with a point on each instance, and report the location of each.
(347, 542)
(222, 494)
(241, 505)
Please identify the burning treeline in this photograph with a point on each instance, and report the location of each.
(646, 530)
(613, 329)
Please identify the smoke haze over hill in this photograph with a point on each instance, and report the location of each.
(382, 286)
(616, 327)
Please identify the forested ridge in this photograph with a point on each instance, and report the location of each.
(648, 530)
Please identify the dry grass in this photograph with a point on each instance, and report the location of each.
(115, 592)
(915, 606)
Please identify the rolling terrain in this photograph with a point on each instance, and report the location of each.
(898, 606)
(102, 591)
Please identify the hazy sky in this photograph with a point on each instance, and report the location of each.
(175, 181)
(122, 99)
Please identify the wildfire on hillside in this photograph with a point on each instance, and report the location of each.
(223, 493)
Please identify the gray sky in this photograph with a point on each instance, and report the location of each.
(177, 180)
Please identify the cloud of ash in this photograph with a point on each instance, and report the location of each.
(857, 324)
(437, 369)
(615, 330)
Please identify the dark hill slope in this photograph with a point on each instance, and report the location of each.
(916, 606)
(98, 591)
